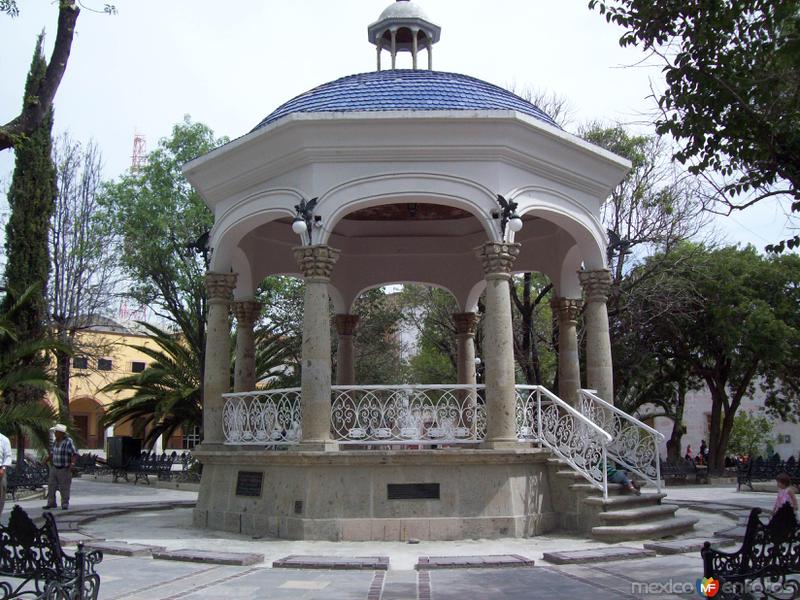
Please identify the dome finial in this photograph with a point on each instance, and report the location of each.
(404, 27)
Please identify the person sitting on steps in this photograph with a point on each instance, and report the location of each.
(614, 475)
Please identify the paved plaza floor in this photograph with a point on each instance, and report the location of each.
(143, 520)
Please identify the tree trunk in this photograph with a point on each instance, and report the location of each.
(62, 381)
(678, 428)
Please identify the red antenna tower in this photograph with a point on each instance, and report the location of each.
(139, 156)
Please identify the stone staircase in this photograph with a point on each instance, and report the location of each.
(622, 516)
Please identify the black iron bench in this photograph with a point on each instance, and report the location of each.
(767, 564)
(34, 556)
(86, 464)
(145, 465)
(30, 476)
(760, 469)
(680, 471)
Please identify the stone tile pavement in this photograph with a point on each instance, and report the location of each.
(143, 577)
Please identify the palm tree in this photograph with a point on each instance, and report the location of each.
(22, 366)
(166, 395)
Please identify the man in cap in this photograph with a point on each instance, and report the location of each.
(5, 462)
(62, 458)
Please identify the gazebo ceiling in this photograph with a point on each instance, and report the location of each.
(408, 211)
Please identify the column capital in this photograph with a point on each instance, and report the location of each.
(596, 284)
(316, 262)
(346, 323)
(497, 257)
(246, 312)
(466, 323)
(567, 309)
(219, 286)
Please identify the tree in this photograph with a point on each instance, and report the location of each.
(429, 311)
(162, 228)
(167, 395)
(31, 200)
(742, 333)
(378, 347)
(20, 367)
(534, 350)
(38, 99)
(83, 278)
(751, 434)
(732, 70)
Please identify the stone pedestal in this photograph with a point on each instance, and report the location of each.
(497, 259)
(316, 263)
(244, 374)
(569, 368)
(353, 495)
(219, 287)
(599, 373)
(345, 350)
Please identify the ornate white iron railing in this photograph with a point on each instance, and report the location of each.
(408, 414)
(544, 417)
(634, 446)
(262, 417)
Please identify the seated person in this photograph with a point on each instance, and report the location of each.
(614, 475)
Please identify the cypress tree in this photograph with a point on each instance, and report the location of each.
(31, 199)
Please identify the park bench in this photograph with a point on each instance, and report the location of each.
(33, 555)
(679, 472)
(86, 464)
(766, 470)
(145, 465)
(767, 564)
(29, 476)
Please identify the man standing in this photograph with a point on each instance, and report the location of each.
(5, 462)
(62, 458)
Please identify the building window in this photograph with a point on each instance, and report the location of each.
(104, 364)
(137, 366)
(80, 362)
(191, 439)
(784, 438)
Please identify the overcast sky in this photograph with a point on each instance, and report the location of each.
(229, 64)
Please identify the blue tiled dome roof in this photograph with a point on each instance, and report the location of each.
(405, 90)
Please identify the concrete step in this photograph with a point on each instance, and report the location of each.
(639, 514)
(644, 531)
(623, 502)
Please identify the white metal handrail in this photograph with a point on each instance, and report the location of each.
(569, 434)
(408, 414)
(263, 417)
(636, 444)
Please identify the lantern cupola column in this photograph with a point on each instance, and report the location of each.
(217, 374)
(599, 375)
(316, 263)
(498, 258)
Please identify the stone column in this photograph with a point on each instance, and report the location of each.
(316, 263)
(466, 324)
(569, 368)
(498, 345)
(216, 380)
(599, 375)
(244, 373)
(345, 353)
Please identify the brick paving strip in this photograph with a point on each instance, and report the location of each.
(122, 548)
(685, 545)
(238, 559)
(302, 561)
(376, 587)
(212, 584)
(168, 582)
(489, 561)
(596, 555)
(424, 591)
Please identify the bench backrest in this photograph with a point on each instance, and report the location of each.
(774, 547)
(28, 550)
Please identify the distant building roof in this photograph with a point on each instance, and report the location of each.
(406, 90)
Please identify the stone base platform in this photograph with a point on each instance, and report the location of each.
(375, 495)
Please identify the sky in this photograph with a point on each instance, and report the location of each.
(229, 64)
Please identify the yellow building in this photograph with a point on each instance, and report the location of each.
(110, 358)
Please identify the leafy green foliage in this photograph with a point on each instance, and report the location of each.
(750, 435)
(732, 72)
(429, 311)
(378, 348)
